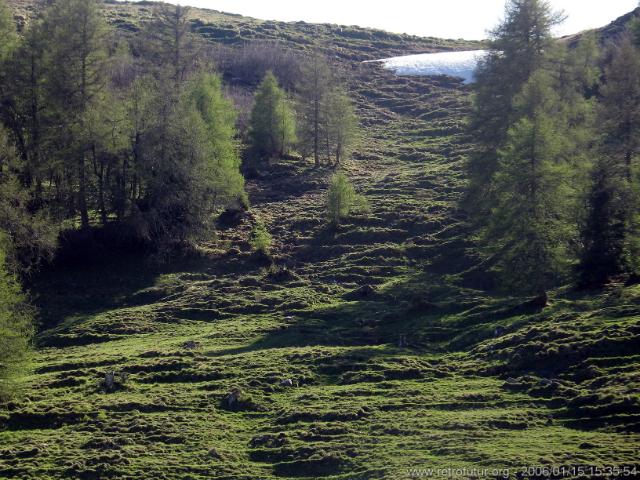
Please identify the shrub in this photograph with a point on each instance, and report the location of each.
(260, 238)
(342, 199)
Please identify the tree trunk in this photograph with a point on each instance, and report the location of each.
(316, 132)
(82, 193)
(99, 171)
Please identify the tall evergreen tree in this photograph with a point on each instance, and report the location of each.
(8, 37)
(168, 45)
(313, 90)
(31, 234)
(620, 115)
(16, 325)
(76, 32)
(218, 117)
(28, 112)
(527, 225)
(605, 231)
(611, 231)
(272, 125)
(193, 170)
(517, 49)
(342, 125)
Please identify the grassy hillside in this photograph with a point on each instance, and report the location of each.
(362, 353)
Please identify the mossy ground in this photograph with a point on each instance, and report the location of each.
(423, 370)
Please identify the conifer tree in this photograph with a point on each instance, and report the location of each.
(16, 325)
(76, 32)
(620, 114)
(527, 225)
(313, 91)
(8, 37)
(611, 231)
(272, 125)
(194, 170)
(31, 234)
(517, 49)
(342, 125)
(168, 45)
(342, 199)
(30, 110)
(605, 231)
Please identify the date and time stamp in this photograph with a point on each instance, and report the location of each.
(531, 472)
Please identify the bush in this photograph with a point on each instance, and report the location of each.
(16, 325)
(260, 238)
(342, 199)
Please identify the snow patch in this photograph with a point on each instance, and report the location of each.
(454, 64)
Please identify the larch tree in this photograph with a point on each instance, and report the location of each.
(193, 170)
(76, 32)
(16, 325)
(517, 49)
(8, 37)
(620, 117)
(31, 234)
(604, 233)
(169, 46)
(272, 124)
(611, 230)
(313, 90)
(341, 125)
(527, 225)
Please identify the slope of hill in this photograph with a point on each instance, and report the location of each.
(366, 352)
(610, 32)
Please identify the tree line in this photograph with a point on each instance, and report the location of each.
(134, 132)
(553, 183)
(320, 122)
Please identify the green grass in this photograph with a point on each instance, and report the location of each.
(425, 371)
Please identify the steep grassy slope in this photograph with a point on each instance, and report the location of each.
(421, 370)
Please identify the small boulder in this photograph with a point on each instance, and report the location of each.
(287, 382)
(232, 400)
(363, 292)
(190, 345)
(114, 381)
(282, 274)
(213, 453)
(237, 400)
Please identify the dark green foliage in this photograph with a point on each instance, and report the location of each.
(16, 327)
(145, 140)
(75, 34)
(8, 37)
(620, 113)
(610, 235)
(272, 126)
(517, 49)
(604, 235)
(528, 226)
(32, 234)
(533, 121)
(188, 163)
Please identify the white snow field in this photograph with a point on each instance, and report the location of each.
(454, 64)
